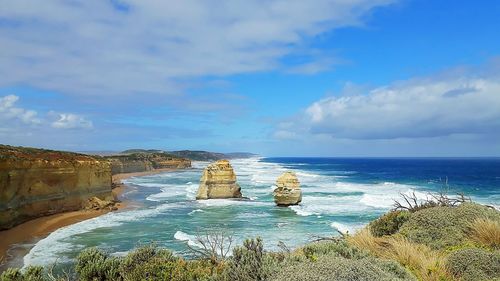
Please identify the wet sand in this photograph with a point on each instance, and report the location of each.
(17, 241)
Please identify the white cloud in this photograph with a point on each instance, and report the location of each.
(92, 48)
(416, 108)
(70, 121)
(16, 119)
(8, 111)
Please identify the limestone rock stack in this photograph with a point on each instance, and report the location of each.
(218, 181)
(288, 190)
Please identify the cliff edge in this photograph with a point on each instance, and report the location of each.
(39, 182)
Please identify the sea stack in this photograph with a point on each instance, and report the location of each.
(218, 181)
(288, 190)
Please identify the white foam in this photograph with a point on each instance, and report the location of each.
(346, 228)
(329, 205)
(191, 189)
(231, 202)
(252, 215)
(190, 239)
(195, 211)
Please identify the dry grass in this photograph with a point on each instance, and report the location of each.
(485, 232)
(425, 263)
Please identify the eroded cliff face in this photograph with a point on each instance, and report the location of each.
(142, 162)
(35, 182)
(287, 190)
(218, 181)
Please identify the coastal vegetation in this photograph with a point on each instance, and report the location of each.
(437, 242)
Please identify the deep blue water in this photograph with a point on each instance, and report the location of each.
(338, 194)
(472, 176)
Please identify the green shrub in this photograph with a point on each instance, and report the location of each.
(34, 273)
(474, 264)
(389, 223)
(337, 260)
(12, 274)
(249, 262)
(31, 273)
(334, 248)
(443, 227)
(341, 269)
(94, 264)
(152, 263)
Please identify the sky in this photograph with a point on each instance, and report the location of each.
(329, 78)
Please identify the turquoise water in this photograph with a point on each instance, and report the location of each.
(338, 194)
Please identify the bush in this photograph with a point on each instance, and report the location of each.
(389, 223)
(333, 248)
(12, 274)
(32, 273)
(249, 262)
(337, 268)
(337, 260)
(94, 264)
(153, 263)
(442, 227)
(474, 264)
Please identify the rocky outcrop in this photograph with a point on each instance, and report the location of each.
(36, 182)
(218, 181)
(95, 203)
(143, 162)
(288, 190)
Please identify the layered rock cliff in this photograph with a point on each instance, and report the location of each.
(36, 182)
(288, 190)
(142, 162)
(218, 181)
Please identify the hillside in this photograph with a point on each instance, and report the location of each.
(210, 156)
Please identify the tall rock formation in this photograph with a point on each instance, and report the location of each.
(288, 190)
(218, 181)
(37, 182)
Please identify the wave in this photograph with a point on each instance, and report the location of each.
(346, 228)
(231, 202)
(195, 211)
(190, 239)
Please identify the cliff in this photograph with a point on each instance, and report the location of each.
(142, 162)
(288, 190)
(37, 182)
(218, 181)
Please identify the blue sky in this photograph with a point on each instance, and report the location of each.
(279, 78)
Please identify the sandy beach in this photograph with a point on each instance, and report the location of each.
(39, 228)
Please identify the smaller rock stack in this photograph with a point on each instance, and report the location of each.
(218, 181)
(288, 190)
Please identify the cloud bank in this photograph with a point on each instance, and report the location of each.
(416, 108)
(125, 47)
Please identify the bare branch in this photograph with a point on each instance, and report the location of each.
(213, 245)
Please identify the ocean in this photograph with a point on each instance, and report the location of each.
(338, 195)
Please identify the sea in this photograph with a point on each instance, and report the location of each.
(339, 195)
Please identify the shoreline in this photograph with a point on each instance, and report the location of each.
(16, 242)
